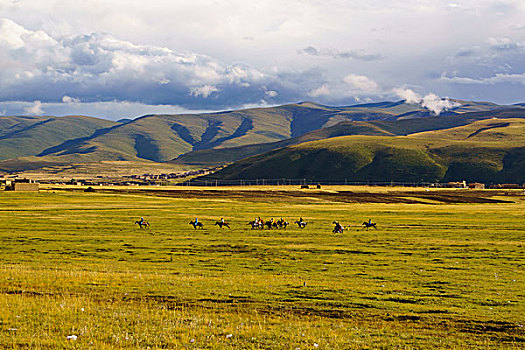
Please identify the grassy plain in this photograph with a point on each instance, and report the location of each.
(102, 171)
(434, 274)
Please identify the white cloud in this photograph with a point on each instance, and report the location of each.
(408, 95)
(361, 82)
(113, 110)
(495, 79)
(504, 44)
(323, 90)
(436, 104)
(203, 91)
(35, 109)
(99, 65)
(271, 93)
(430, 101)
(15, 36)
(112, 51)
(518, 27)
(336, 53)
(69, 99)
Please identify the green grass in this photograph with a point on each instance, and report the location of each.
(29, 136)
(483, 127)
(104, 171)
(162, 138)
(484, 151)
(489, 130)
(432, 276)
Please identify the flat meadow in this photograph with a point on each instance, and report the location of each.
(444, 269)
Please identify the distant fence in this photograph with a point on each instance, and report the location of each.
(304, 182)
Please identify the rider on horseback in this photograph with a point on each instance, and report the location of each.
(369, 224)
(301, 223)
(338, 227)
(142, 223)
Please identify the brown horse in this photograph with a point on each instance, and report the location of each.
(270, 224)
(338, 227)
(369, 224)
(221, 224)
(142, 224)
(282, 223)
(196, 224)
(258, 225)
(300, 223)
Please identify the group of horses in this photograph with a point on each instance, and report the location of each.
(338, 228)
(274, 224)
(198, 224)
(256, 224)
(270, 224)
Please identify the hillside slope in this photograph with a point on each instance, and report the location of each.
(28, 136)
(164, 137)
(474, 152)
(28, 141)
(371, 128)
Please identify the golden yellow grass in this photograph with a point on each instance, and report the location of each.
(431, 276)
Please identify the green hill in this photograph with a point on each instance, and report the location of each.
(391, 127)
(474, 152)
(164, 137)
(215, 138)
(28, 136)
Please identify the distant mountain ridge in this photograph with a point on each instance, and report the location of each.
(489, 151)
(389, 127)
(241, 133)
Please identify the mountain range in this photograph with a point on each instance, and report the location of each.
(211, 139)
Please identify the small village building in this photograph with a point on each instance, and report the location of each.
(458, 184)
(26, 186)
(23, 185)
(507, 186)
(476, 185)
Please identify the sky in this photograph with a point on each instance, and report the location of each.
(126, 58)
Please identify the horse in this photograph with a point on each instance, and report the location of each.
(196, 224)
(142, 224)
(221, 224)
(270, 224)
(338, 227)
(282, 224)
(369, 224)
(301, 224)
(258, 225)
